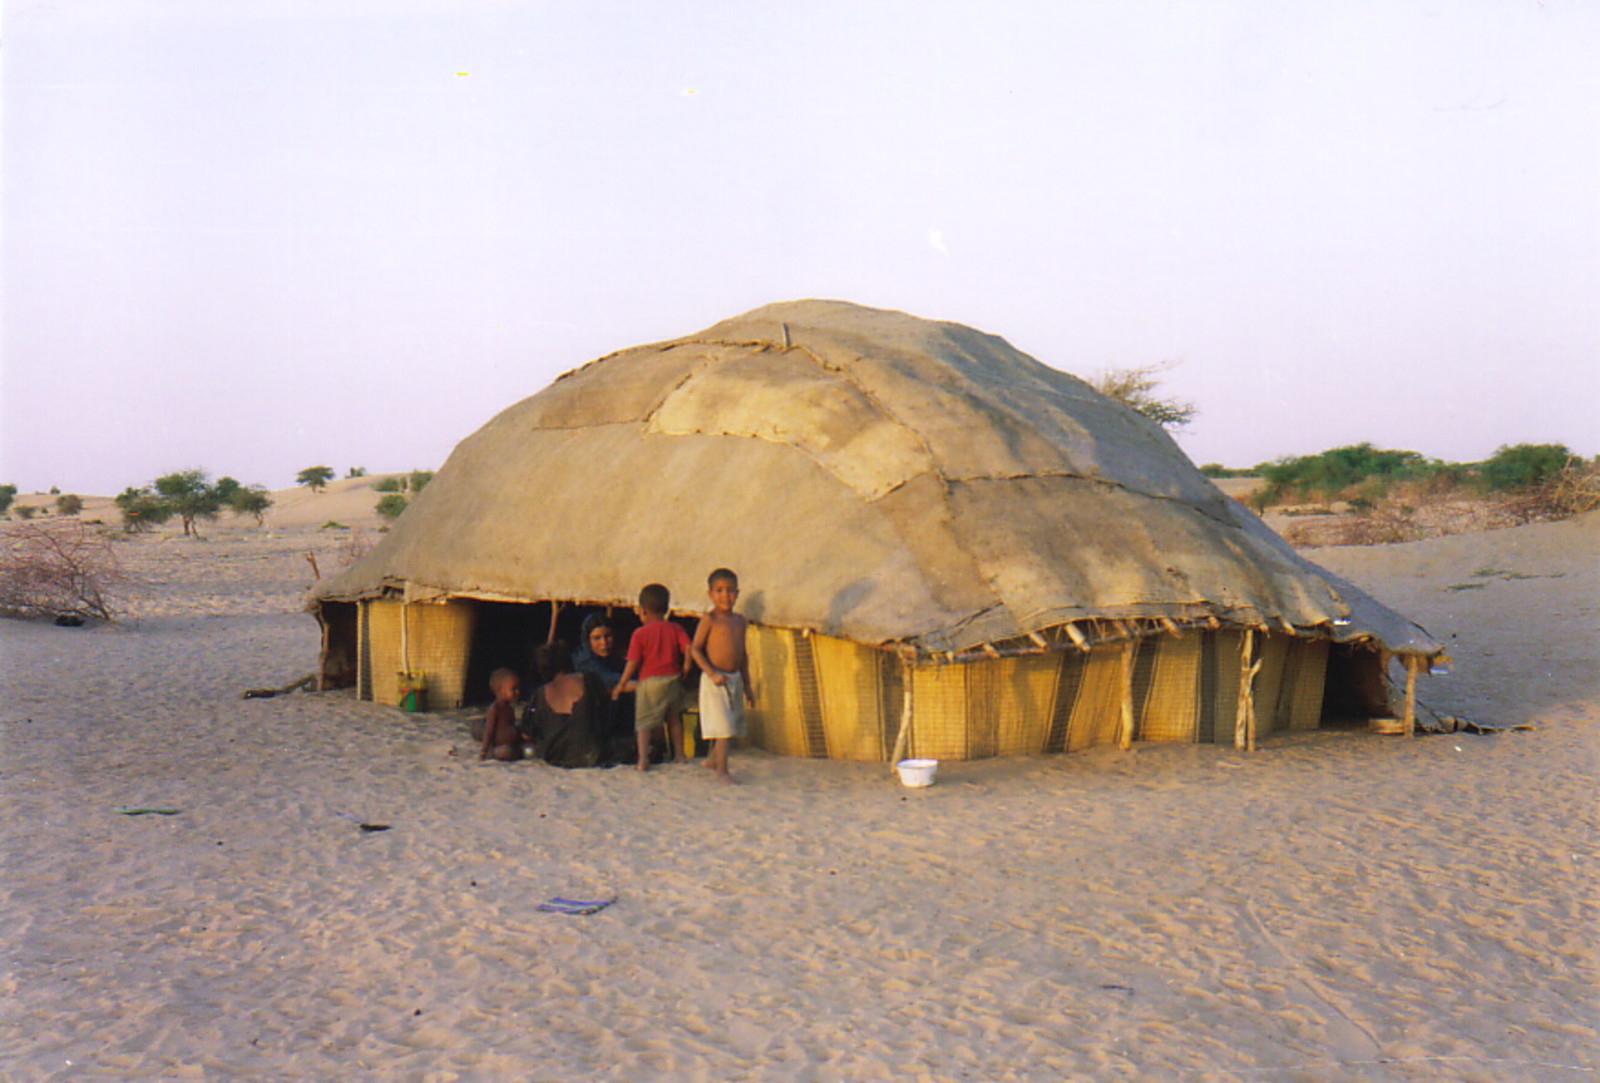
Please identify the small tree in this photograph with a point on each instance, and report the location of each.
(1135, 388)
(1523, 466)
(391, 485)
(253, 500)
(141, 510)
(189, 496)
(26, 511)
(69, 504)
(357, 472)
(315, 477)
(417, 479)
(8, 493)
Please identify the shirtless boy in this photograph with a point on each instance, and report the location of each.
(719, 651)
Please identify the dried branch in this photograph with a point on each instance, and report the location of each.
(61, 569)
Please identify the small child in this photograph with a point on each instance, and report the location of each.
(500, 737)
(658, 655)
(719, 651)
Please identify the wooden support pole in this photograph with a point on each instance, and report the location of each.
(902, 740)
(1125, 729)
(1077, 637)
(405, 637)
(1244, 716)
(1170, 625)
(555, 611)
(1039, 641)
(1412, 664)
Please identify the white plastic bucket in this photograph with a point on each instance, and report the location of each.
(917, 772)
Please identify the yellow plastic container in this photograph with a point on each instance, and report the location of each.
(413, 692)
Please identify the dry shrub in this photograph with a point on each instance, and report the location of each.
(60, 569)
(1572, 490)
(356, 545)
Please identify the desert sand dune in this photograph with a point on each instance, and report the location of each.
(1335, 906)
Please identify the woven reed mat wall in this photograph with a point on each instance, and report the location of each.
(439, 636)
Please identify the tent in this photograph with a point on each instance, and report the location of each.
(947, 548)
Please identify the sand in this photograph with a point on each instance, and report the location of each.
(1335, 906)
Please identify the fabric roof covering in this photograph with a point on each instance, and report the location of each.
(870, 475)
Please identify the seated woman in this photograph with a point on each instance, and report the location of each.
(602, 656)
(598, 653)
(567, 716)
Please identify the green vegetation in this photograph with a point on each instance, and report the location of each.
(8, 493)
(1359, 470)
(189, 496)
(394, 501)
(251, 500)
(1523, 466)
(356, 472)
(69, 504)
(315, 477)
(390, 505)
(1362, 475)
(142, 510)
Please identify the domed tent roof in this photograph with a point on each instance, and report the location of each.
(871, 476)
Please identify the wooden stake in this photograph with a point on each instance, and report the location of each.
(405, 639)
(902, 740)
(1077, 637)
(1244, 717)
(1125, 730)
(1411, 695)
(1039, 641)
(1171, 626)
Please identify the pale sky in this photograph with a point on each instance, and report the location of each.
(257, 235)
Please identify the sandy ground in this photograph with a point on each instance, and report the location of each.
(1333, 907)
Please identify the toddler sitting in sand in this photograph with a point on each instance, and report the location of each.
(500, 737)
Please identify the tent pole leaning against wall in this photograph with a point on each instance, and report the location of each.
(902, 740)
(1125, 695)
(1412, 665)
(405, 637)
(1244, 718)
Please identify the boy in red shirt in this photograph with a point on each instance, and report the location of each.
(658, 655)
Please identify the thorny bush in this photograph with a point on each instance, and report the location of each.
(58, 569)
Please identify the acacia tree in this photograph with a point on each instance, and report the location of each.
(190, 496)
(315, 477)
(1136, 387)
(251, 500)
(142, 510)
